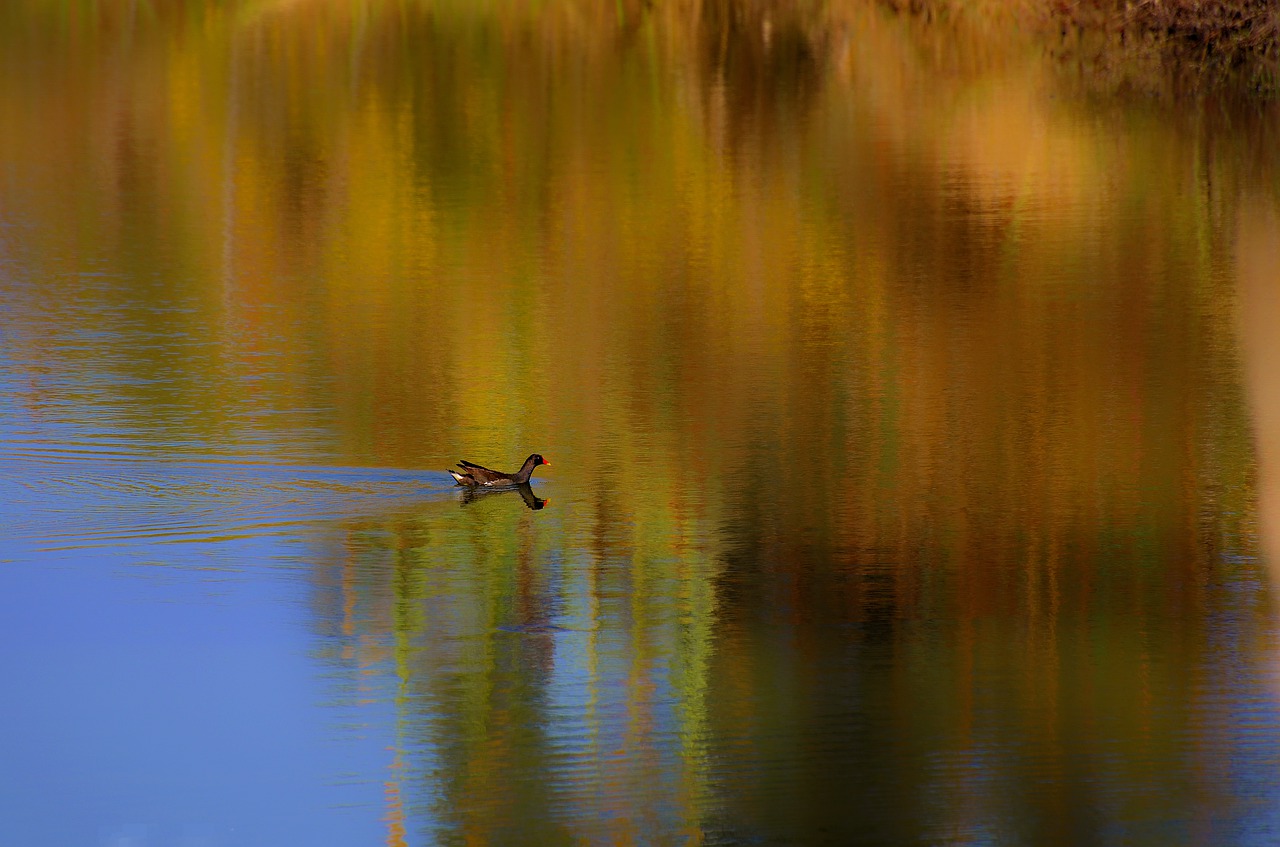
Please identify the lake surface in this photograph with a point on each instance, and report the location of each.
(910, 401)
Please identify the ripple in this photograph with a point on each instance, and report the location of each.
(535, 629)
(67, 498)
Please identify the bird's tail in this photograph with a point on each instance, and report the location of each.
(461, 479)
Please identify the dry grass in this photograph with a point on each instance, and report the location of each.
(1149, 46)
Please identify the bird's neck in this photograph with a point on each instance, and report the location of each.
(526, 470)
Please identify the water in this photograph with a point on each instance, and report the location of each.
(908, 405)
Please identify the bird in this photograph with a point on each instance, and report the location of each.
(475, 475)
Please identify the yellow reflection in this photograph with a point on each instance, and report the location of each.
(826, 335)
(1258, 249)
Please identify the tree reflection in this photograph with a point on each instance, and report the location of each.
(915, 500)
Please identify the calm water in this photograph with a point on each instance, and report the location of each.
(911, 406)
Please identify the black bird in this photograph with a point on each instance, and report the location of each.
(475, 475)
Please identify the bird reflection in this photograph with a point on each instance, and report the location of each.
(533, 501)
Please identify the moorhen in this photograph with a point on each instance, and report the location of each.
(475, 475)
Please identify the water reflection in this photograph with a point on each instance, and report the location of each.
(913, 490)
(533, 501)
(1259, 275)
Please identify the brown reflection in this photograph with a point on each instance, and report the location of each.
(763, 65)
(1258, 246)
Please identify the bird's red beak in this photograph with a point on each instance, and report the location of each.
(545, 462)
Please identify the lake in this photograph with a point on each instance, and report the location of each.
(910, 399)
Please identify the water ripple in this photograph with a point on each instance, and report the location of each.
(63, 498)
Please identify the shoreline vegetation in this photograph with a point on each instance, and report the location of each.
(1126, 47)
(1172, 47)
(1195, 44)
(1179, 45)
(1154, 48)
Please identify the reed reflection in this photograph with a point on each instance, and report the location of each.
(916, 501)
(1259, 285)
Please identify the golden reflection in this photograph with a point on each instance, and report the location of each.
(900, 410)
(395, 815)
(1258, 247)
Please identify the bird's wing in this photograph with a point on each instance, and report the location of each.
(480, 474)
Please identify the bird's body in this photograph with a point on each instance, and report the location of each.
(475, 475)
